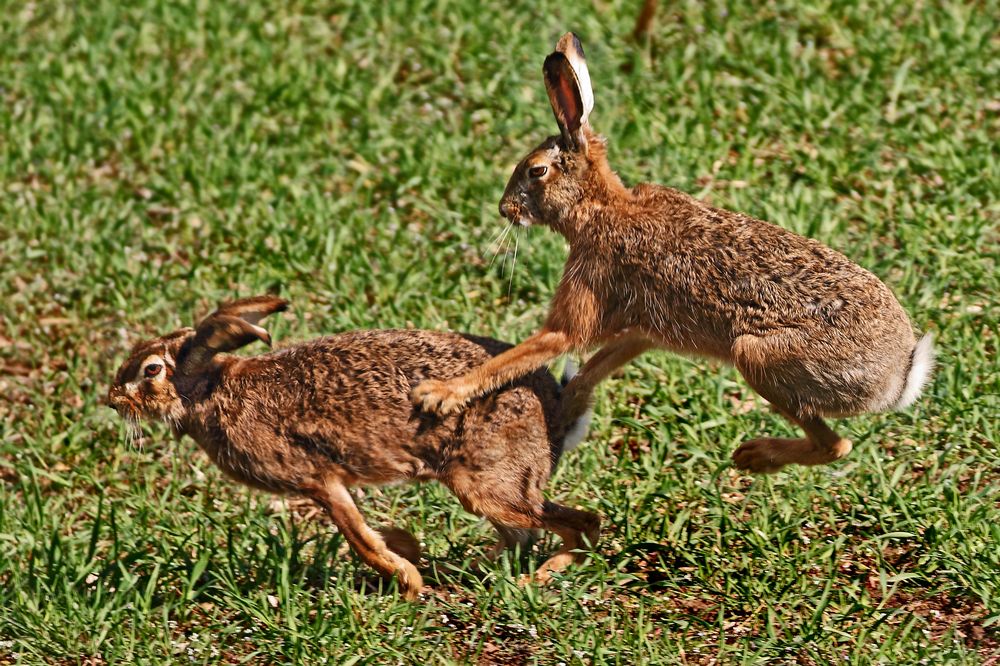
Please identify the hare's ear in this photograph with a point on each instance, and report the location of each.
(567, 81)
(564, 96)
(569, 45)
(232, 326)
(253, 309)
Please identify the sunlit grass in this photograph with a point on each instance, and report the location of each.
(156, 158)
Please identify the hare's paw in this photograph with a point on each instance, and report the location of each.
(436, 396)
(409, 581)
(761, 456)
(554, 564)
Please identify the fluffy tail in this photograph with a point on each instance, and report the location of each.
(921, 366)
(578, 415)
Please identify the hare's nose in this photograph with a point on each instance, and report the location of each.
(507, 209)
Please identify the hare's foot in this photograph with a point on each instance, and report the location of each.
(579, 531)
(556, 563)
(767, 454)
(432, 395)
(760, 456)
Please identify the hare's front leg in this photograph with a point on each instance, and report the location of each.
(573, 322)
(577, 395)
(449, 396)
(367, 543)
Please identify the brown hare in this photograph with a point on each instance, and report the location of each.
(651, 267)
(316, 418)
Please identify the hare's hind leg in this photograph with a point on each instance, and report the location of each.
(579, 531)
(772, 366)
(511, 538)
(769, 454)
(504, 504)
(368, 544)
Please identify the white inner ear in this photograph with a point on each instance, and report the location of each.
(569, 45)
(579, 66)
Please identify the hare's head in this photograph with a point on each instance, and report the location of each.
(143, 386)
(149, 385)
(570, 168)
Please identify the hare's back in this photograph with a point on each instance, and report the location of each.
(735, 274)
(356, 387)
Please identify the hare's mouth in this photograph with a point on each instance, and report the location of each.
(133, 418)
(133, 428)
(523, 221)
(125, 407)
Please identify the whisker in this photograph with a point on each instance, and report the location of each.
(138, 433)
(130, 431)
(497, 236)
(501, 252)
(501, 243)
(513, 263)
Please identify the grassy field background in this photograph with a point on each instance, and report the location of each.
(157, 157)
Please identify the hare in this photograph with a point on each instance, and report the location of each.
(316, 418)
(651, 267)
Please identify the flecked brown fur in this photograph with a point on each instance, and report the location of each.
(652, 267)
(318, 417)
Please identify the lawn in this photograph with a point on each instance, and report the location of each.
(158, 157)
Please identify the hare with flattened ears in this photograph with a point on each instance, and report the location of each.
(316, 418)
(652, 267)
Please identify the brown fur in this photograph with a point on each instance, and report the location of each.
(321, 416)
(649, 266)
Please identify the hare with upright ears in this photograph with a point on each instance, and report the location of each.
(316, 418)
(651, 267)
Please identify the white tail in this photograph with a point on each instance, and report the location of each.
(577, 431)
(921, 365)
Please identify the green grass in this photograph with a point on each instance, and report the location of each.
(158, 157)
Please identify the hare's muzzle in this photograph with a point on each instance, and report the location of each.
(514, 212)
(509, 209)
(117, 399)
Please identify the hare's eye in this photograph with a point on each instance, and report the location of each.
(538, 171)
(152, 370)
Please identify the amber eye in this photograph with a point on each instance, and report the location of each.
(152, 370)
(538, 171)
